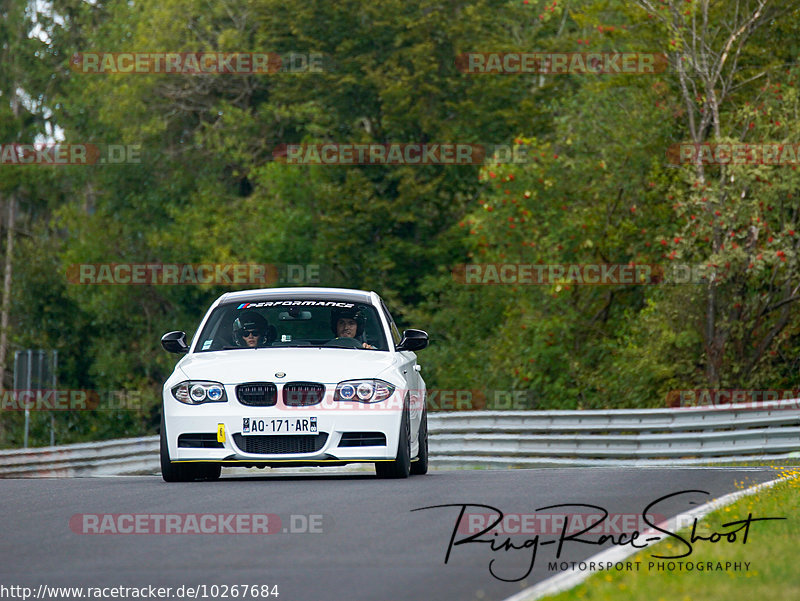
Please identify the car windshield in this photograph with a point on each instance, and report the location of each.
(296, 322)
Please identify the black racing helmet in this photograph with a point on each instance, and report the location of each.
(351, 313)
(250, 321)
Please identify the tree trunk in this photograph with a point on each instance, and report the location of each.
(6, 302)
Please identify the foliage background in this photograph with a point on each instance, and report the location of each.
(597, 189)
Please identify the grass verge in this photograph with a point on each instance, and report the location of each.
(770, 551)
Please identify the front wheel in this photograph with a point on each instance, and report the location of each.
(400, 467)
(183, 472)
(420, 466)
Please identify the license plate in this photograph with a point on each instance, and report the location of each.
(279, 425)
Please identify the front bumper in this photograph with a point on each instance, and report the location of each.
(334, 420)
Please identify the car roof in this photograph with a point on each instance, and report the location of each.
(313, 293)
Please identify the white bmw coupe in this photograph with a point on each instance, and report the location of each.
(283, 377)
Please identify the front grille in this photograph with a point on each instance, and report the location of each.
(257, 394)
(200, 441)
(363, 439)
(303, 394)
(281, 444)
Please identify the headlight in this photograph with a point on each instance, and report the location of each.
(196, 393)
(363, 391)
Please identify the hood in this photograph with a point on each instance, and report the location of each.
(325, 365)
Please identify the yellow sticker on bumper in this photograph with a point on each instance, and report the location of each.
(220, 432)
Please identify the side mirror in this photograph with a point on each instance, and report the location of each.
(175, 342)
(413, 340)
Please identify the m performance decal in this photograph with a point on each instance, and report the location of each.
(296, 303)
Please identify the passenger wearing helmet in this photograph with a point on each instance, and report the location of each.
(349, 323)
(250, 330)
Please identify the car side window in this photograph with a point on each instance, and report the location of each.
(395, 332)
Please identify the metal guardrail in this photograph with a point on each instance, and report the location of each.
(630, 437)
(107, 458)
(635, 437)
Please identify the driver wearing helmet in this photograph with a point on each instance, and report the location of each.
(250, 330)
(349, 323)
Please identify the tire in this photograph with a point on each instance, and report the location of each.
(420, 466)
(183, 472)
(400, 467)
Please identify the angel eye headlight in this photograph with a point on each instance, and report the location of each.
(196, 393)
(214, 393)
(363, 391)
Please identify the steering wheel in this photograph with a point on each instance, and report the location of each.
(344, 343)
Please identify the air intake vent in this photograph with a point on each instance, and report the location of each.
(363, 439)
(281, 444)
(200, 441)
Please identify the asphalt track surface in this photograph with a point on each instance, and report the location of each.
(372, 546)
